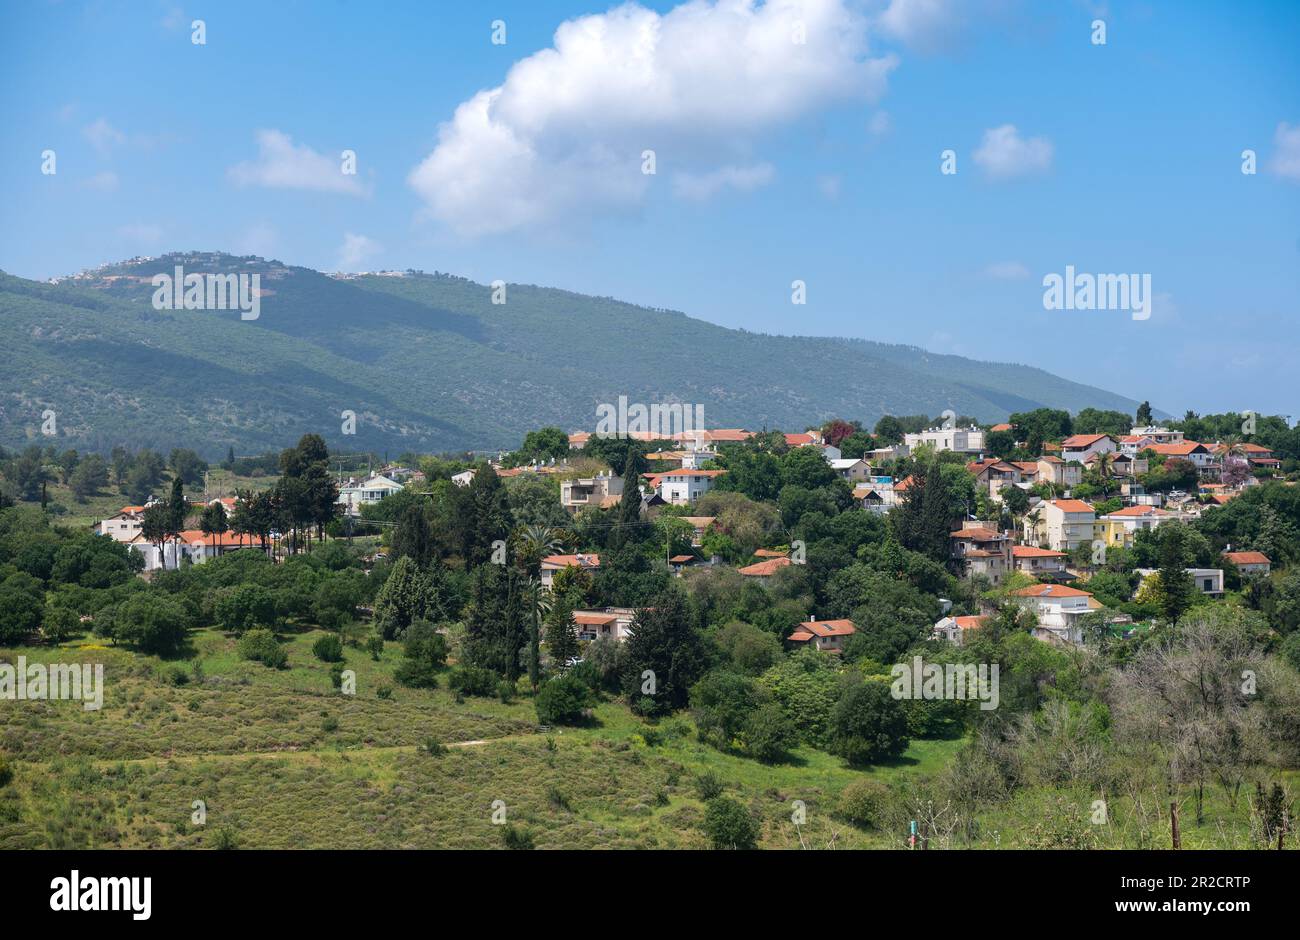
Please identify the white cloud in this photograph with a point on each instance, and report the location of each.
(880, 124)
(1004, 154)
(698, 187)
(1286, 155)
(281, 164)
(924, 24)
(103, 136)
(355, 250)
(104, 182)
(563, 135)
(1007, 271)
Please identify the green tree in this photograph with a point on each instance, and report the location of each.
(868, 725)
(729, 825)
(665, 655)
(562, 701)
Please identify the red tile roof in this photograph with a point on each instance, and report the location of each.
(765, 569)
(1071, 505)
(1033, 551)
(1050, 590)
(1247, 558)
(1082, 440)
(825, 628)
(584, 560)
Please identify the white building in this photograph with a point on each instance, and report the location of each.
(683, 487)
(353, 495)
(962, 440)
(1059, 610)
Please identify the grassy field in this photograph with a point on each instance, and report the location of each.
(280, 759)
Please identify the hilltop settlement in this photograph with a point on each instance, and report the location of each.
(764, 584)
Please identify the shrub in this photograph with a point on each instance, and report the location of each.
(769, 734)
(561, 701)
(225, 839)
(375, 647)
(863, 802)
(336, 675)
(328, 648)
(473, 680)
(708, 786)
(424, 653)
(506, 691)
(730, 825)
(868, 724)
(556, 797)
(434, 748)
(384, 692)
(6, 772)
(261, 646)
(517, 838)
(330, 725)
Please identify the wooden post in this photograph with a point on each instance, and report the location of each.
(1173, 824)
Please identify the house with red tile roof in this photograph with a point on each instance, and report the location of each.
(613, 622)
(1060, 524)
(981, 550)
(1082, 446)
(1059, 610)
(1038, 562)
(955, 629)
(1250, 563)
(552, 564)
(829, 636)
(762, 571)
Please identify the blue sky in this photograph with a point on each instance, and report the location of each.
(776, 160)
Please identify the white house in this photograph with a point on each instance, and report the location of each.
(124, 525)
(553, 564)
(1038, 562)
(1250, 563)
(853, 470)
(1207, 580)
(353, 496)
(1082, 446)
(1060, 524)
(962, 440)
(683, 487)
(602, 490)
(1059, 610)
(954, 629)
(829, 636)
(615, 622)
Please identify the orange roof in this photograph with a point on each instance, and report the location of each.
(826, 628)
(769, 553)
(691, 473)
(592, 618)
(224, 540)
(1138, 511)
(970, 623)
(1247, 558)
(765, 569)
(798, 440)
(1002, 427)
(1050, 590)
(680, 559)
(978, 533)
(1071, 505)
(1181, 449)
(903, 483)
(800, 636)
(1221, 498)
(1082, 440)
(584, 560)
(1033, 551)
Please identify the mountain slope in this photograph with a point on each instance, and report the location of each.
(428, 362)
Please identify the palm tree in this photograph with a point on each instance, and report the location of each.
(535, 543)
(1105, 469)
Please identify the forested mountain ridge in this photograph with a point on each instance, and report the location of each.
(428, 362)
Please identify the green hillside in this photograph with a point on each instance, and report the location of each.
(429, 363)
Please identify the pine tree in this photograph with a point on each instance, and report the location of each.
(561, 632)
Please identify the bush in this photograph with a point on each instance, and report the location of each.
(863, 802)
(328, 648)
(562, 701)
(708, 786)
(424, 654)
(330, 725)
(730, 825)
(384, 692)
(261, 646)
(434, 748)
(375, 647)
(473, 680)
(868, 724)
(506, 691)
(6, 772)
(769, 735)
(336, 675)
(517, 838)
